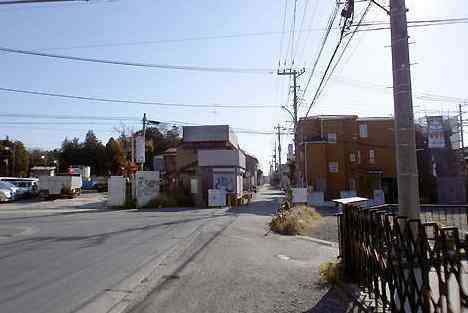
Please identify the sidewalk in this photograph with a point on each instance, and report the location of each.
(245, 269)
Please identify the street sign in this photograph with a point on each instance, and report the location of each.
(140, 149)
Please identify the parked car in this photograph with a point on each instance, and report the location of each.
(27, 187)
(7, 191)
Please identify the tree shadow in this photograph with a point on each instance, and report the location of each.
(337, 300)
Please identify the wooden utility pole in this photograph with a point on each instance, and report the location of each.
(295, 74)
(142, 165)
(279, 144)
(405, 140)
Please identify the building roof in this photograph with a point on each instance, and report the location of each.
(209, 134)
(376, 118)
(329, 117)
(42, 168)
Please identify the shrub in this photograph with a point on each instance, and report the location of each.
(331, 272)
(130, 204)
(295, 221)
(163, 200)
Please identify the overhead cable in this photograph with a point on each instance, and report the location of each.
(212, 105)
(141, 65)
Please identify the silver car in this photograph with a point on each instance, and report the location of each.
(7, 191)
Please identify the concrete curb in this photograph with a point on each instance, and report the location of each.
(318, 241)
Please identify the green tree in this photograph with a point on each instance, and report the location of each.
(14, 158)
(115, 157)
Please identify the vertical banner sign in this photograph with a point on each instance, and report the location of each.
(140, 149)
(435, 132)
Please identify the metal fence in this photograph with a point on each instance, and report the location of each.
(443, 214)
(408, 266)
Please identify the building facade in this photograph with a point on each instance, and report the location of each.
(343, 155)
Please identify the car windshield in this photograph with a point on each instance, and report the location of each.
(6, 185)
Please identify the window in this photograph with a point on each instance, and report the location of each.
(359, 157)
(352, 184)
(371, 156)
(363, 130)
(352, 158)
(333, 167)
(331, 137)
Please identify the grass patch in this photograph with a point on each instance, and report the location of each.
(296, 221)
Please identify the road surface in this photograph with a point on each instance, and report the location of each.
(59, 263)
(169, 260)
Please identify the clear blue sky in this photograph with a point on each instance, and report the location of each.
(439, 54)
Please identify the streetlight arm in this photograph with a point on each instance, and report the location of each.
(289, 111)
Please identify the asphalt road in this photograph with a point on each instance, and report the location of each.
(60, 262)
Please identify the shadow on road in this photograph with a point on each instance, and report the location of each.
(334, 301)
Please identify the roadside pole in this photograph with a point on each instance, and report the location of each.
(295, 74)
(142, 165)
(460, 111)
(405, 140)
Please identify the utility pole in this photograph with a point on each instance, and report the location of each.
(142, 165)
(408, 186)
(279, 144)
(295, 74)
(461, 127)
(274, 157)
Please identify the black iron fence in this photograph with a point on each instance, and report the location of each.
(408, 266)
(443, 214)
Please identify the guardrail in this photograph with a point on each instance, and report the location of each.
(408, 266)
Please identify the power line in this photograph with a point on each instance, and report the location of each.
(283, 32)
(293, 29)
(319, 88)
(67, 96)
(331, 21)
(69, 117)
(426, 23)
(142, 65)
(314, 13)
(70, 120)
(353, 33)
(306, 5)
(37, 1)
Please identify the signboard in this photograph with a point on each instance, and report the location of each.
(299, 195)
(435, 132)
(147, 187)
(333, 167)
(224, 181)
(347, 194)
(216, 198)
(140, 149)
(193, 185)
(316, 198)
(116, 188)
(379, 197)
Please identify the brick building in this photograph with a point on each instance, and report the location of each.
(342, 154)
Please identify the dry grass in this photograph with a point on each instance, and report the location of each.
(331, 272)
(295, 221)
